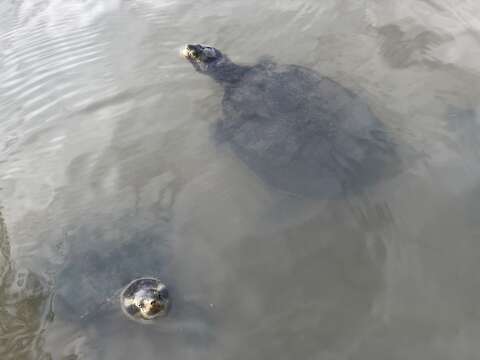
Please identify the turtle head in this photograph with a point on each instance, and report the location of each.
(152, 303)
(210, 61)
(203, 58)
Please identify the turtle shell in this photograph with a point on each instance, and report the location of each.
(302, 132)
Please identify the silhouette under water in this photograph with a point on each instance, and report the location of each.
(299, 131)
(88, 287)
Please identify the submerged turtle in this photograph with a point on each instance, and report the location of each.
(299, 131)
(94, 289)
(98, 282)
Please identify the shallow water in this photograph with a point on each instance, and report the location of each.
(106, 147)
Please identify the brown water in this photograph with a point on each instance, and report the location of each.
(106, 142)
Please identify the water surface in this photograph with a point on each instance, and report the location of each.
(106, 142)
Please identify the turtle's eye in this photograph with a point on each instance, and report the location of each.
(210, 53)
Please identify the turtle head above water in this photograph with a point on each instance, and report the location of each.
(150, 303)
(203, 57)
(210, 61)
(144, 299)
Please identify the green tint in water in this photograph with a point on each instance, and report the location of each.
(22, 305)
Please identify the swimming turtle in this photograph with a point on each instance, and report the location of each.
(299, 131)
(120, 267)
(110, 277)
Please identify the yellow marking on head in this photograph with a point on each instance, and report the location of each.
(185, 52)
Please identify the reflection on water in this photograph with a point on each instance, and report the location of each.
(108, 171)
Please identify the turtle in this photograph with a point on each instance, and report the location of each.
(100, 276)
(144, 299)
(121, 270)
(301, 132)
(102, 281)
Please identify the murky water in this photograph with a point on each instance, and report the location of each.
(108, 171)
